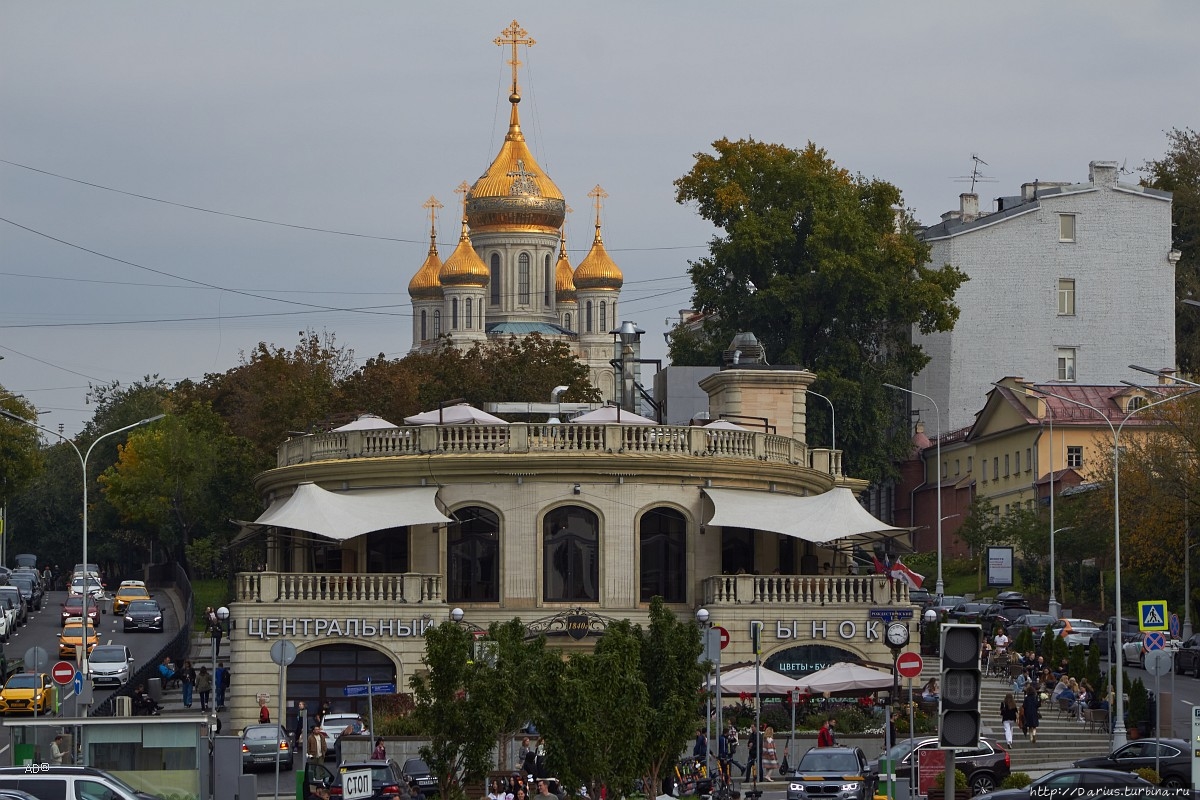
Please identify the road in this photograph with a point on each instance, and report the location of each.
(1184, 692)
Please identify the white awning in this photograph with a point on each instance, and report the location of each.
(820, 518)
(344, 515)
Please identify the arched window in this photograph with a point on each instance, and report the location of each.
(571, 555)
(424, 330)
(664, 555)
(567, 320)
(437, 324)
(523, 279)
(453, 313)
(549, 283)
(603, 316)
(481, 315)
(588, 316)
(473, 556)
(469, 314)
(495, 279)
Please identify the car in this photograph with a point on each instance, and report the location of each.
(126, 595)
(841, 772)
(920, 597)
(1104, 637)
(30, 589)
(985, 766)
(947, 602)
(1134, 653)
(109, 665)
(418, 772)
(387, 778)
(1174, 760)
(72, 637)
(263, 745)
(14, 596)
(335, 725)
(1001, 615)
(73, 607)
(93, 569)
(1076, 782)
(143, 615)
(123, 584)
(26, 693)
(1011, 599)
(1074, 631)
(10, 610)
(967, 612)
(1034, 621)
(49, 782)
(94, 587)
(25, 560)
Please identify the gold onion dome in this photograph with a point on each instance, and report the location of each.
(464, 267)
(564, 276)
(598, 270)
(425, 284)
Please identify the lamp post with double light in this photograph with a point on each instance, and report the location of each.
(937, 472)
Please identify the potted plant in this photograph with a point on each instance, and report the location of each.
(1139, 707)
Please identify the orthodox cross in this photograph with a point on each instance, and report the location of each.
(462, 189)
(514, 35)
(599, 194)
(433, 205)
(523, 182)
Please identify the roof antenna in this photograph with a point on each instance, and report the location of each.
(976, 176)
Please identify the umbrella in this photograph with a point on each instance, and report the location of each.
(725, 425)
(612, 415)
(461, 414)
(741, 680)
(367, 422)
(846, 678)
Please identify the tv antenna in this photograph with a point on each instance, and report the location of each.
(976, 176)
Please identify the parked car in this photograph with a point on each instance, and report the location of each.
(1187, 657)
(1074, 631)
(841, 772)
(1129, 633)
(967, 612)
(921, 597)
(1002, 615)
(126, 595)
(1134, 652)
(947, 602)
(263, 745)
(30, 589)
(417, 771)
(1075, 782)
(14, 594)
(26, 693)
(1011, 599)
(1174, 760)
(335, 725)
(1035, 622)
(387, 779)
(109, 665)
(985, 767)
(49, 782)
(143, 615)
(25, 560)
(73, 607)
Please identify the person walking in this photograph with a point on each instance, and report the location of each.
(827, 736)
(317, 744)
(187, 680)
(770, 760)
(1008, 715)
(1030, 713)
(221, 683)
(753, 766)
(204, 683)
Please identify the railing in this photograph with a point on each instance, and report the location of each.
(521, 438)
(286, 587)
(850, 590)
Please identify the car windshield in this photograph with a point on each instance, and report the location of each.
(23, 682)
(134, 591)
(263, 732)
(143, 606)
(415, 766)
(816, 761)
(74, 631)
(1038, 619)
(901, 749)
(107, 655)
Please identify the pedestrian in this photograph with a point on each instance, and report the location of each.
(827, 736)
(889, 732)
(380, 752)
(1008, 715)
(57, 752)
(700, 750)
(204, 683)
(543, 791)
(770, 760)
(525, 759)
(215, 629)
(299, 734)
(752, 765)
(539, 759)
(166, 671)
(317, 744)
(187, 679)
(221, 683)
(1029, 712)
(264, 714)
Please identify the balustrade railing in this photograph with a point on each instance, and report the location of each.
(286, 587)
(849, 590)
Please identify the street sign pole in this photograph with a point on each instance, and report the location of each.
(371, 710)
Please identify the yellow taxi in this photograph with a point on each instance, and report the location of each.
(126, 595)
(26, 693)
(72, 636)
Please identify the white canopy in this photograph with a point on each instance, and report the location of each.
(725, 425)
(344, 515)
(820, 518)
(367, 422)
(461, 414)
(612, 415)
(739, 680)
(846, 677)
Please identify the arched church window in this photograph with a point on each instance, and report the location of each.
(453, 313)
(523, 279)
(663, 533)
(603, 316)
(473, 556)
(571, 555)
(495, 279)
(548, 282)
(588, 316)
(567, 320)
(437, 324)
(424, 330)
(481, 315)
(469, 314)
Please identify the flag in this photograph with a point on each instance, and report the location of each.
(879, 568)
(903, 573)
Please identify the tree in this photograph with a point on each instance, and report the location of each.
(1178, 172)
(20, 455)
(980, 530)
(826, 269)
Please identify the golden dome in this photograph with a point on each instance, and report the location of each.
(598, 270)
(464, 267)
(425, 285)
(564, 276)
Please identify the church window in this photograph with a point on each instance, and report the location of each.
(437, 324)
(470, 313)
(473, 556)
(424, 326)
(567, 320)
(664, 555)
(603, 316)
(548, 282)
(523, 279)
(495, 279)
(454, 313)
(570, 555)
(481, 314)
(588, 317)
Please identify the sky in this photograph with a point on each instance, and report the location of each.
(180, 181)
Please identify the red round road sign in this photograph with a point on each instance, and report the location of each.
(724, 636)
(909, 665)
(63, 672)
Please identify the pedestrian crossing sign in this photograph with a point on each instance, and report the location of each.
(1152, 615)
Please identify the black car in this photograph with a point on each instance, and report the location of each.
(418, 772)
(1103, 638)
(1001, 615)
(967, 612)
(387, 779)
(30, 591)
(1075, 782)
(1174, 760)
(143, 615)
(841, 772)
(985, 767)
(1187, 657)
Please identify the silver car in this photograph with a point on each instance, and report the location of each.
(263, 745)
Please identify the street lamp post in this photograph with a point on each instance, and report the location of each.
(83, 461)
(940, 586)
(1053, 606)
(832, 418)
(706, 631)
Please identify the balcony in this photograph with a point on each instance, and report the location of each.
(286, 587)
(794, 590)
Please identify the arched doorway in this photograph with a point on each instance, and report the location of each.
(320, 674)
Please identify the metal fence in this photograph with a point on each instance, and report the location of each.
(177, 648)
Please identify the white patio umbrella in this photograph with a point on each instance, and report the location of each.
(725, 425)
(461, 414)
(367, 422)
(846, 678)
(612, 415)
(737, 681)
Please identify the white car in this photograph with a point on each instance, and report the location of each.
(95, 588)
(1134, 652)
(109, 665)
(335, 725)
(8, 618)
(1074, 631)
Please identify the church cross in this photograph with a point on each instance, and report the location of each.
(599, 194)
(514, 35)
(433, 205)
(462, 189)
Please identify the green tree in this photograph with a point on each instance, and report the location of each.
(980, 530)
(827, 271)
(1178, 172)
(20, 454)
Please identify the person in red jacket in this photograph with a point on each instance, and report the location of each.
(825, 736)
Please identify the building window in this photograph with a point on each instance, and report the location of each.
(523, 279)
(424, 331)
(548, 283)
(437, 324)
(473, 556)
(571, 555)
(664, 555)
(1028, 459)
(603, 316)
(1066, 363)
(453, 313)
(1066, 297)
(387, 551)
(1135, 403)
(970, 464)
(957, 466)
(588, 316)
(1006, 473)
(737, 550)
(983, 465)
(996, 468)
(1075, 456)
(494, 283)
(470, 313)
(945, 469)
(567, 320)
(1066, 227)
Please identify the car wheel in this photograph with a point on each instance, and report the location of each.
(1173, 782)
(982, 782)
(1196, 668)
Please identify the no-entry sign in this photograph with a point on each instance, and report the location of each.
(63, 672)
(724, 636)
(909, 665)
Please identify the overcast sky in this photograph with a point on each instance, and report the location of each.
(347, 116)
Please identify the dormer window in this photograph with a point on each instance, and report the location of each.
(1135, 402)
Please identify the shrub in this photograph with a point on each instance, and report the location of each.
(1147, 774)
(960, 781)
(1016, 780)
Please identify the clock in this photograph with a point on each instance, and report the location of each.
(897, 634)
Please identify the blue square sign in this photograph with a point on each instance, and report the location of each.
(1152, 615)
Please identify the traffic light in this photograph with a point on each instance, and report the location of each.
(756, 637)
(962, 678)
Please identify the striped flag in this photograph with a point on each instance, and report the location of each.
(903, 573)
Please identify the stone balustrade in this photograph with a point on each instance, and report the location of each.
(286, 587)
(790, 590)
